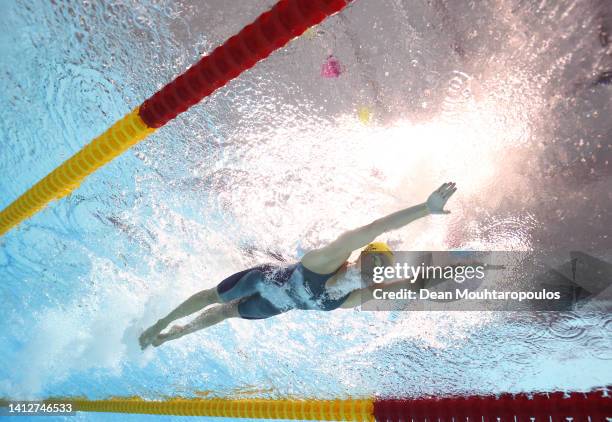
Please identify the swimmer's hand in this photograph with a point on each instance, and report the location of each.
(436, 201)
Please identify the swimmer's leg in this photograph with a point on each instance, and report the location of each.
(241, 285)
(194, 304)
(206, 319)
(237, 286)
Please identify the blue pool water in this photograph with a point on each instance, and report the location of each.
(496, 95)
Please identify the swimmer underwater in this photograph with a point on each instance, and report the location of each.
(308, 283)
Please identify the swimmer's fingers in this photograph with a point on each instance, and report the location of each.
(450, 190)
(442, 188)
(447, 189)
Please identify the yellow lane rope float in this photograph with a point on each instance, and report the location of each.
(323, 410)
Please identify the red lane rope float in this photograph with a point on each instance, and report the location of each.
(269, 32)
(594, 406)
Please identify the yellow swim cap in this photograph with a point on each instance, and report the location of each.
(381, 248)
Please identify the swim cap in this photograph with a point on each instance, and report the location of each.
(381, 248)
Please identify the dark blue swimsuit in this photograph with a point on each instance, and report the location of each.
(305, 290)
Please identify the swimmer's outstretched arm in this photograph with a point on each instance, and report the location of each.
(332, 256)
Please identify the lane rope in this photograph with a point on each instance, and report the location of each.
(593, 406)
(271, 31)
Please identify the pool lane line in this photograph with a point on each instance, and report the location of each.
(593, 406)
(271, 31)
(67, 177)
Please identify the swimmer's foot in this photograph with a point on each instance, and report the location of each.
(159, 340)
(172, 333)
(147, 337)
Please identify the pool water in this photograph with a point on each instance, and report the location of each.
(500, 96)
